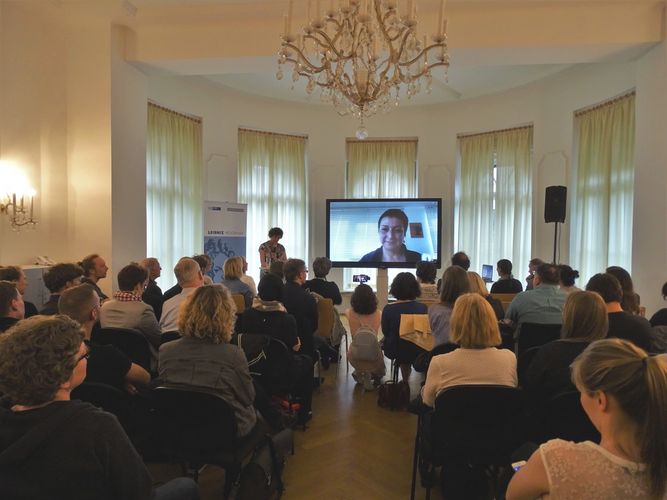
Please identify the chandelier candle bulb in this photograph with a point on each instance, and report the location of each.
(289, 16)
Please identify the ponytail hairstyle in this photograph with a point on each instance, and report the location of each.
(638, 383)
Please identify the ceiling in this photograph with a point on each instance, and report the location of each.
(488, 54)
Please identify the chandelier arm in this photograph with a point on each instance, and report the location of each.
(331, 42)
(420, 56)
(314, 68)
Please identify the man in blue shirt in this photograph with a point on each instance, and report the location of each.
(543, 304)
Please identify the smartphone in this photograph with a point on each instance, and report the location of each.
(517, 465)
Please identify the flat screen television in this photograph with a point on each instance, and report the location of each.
(383, 233)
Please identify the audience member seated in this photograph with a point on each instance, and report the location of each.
(660, 317)
(204, 358)
(301, 304)
(622, 324)
(543, 304)
(205, 264)
(16, 275)
(57, 279)
(454, 284)
(276, 268)
(567, 277)
(189, 278)
(461, 259)
(52, 447)
(426, 273)
(106, 363)
(127, 310)
(630, 300)
(477, 285)
(320, 285)
(364, 313)
(506, 282)
(268, 316)
(584, 321)
(153, 294)
(233, 269)
(533, 264)
(477, 361)
(623, 393)
(11, 305)
(94, 269)
(247, 279)
(405, 290)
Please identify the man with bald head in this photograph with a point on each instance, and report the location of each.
(190, 278)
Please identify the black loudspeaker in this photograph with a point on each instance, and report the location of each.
(555, 200)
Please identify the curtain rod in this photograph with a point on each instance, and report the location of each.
(196, 119)
(360, 141)
(492, 132)
(254, 131)
(611, 101)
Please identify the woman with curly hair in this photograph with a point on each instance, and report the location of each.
(204, 358)
(52, 446)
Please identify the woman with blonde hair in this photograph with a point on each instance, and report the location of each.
(624, 393)
(473, 326)
(585, 320)
(204, 358)
(477, 285)
(233, 269)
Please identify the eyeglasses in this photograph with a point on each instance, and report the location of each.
(85, 356)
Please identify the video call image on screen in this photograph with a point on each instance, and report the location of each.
(383, 233)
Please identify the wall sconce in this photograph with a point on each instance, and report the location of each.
(17, 197)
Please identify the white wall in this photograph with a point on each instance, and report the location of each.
(549, 105)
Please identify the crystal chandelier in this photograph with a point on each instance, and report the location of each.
(362, 54)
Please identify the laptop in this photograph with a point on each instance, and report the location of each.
(487, 273)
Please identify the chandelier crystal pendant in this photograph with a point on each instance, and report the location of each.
(362, 54)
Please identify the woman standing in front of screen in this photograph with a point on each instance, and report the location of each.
(392, 228)
(271, 251)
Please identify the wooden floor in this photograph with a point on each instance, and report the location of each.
(352, 449)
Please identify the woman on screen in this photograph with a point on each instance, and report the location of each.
(392, 227)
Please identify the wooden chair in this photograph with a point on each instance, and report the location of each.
(239, 300)
(504, 298)
(325, 317)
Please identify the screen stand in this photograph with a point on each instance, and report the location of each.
(382, 284)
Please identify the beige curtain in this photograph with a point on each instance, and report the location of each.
(601, 228)
(272, 181)
(173, 187)
(380, 169)
(495, 197)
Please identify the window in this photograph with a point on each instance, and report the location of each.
(495, 196)
(272, 181)
(173, 187)
(379, 169)
(601, 228)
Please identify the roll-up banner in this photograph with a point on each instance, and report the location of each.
(224, 233)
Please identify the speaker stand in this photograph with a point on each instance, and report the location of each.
(555, 241)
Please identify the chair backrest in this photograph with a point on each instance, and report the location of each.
(504, 298)
(131, 342)
(325, 317)
(195, 425)
(535, 335)
(475, 424)
(169, 336)
(523, 363)
(565, 418)
(239, 300)
(110, 399)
